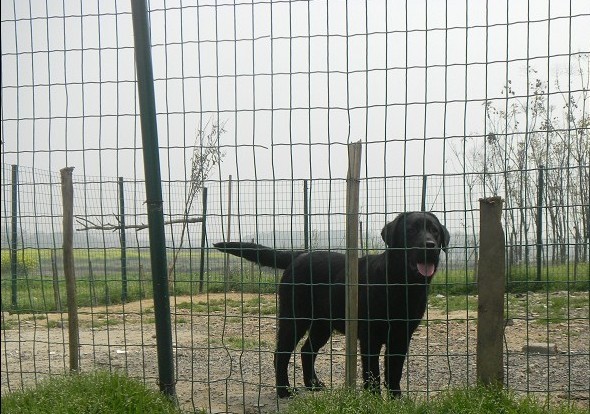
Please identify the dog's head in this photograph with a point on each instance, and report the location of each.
(418, 237)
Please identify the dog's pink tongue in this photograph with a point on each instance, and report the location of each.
(426, 269)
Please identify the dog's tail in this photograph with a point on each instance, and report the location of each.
(264, 256)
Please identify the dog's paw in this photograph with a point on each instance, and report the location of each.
(394, 393)
(315, 385)
(286, 392)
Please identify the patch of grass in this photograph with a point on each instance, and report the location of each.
(550, 308)
(101, 322)
(258, 305)
(8, 324)
(147, 311)
(213, 305)
(98, 393)
(520, 279)
(243, 343)
(55, 323)
(471, 401)
(557, 277)
(27, 261)
(453, 303)
(555, 307)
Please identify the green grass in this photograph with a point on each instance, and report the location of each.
(473, 401)
(238, 342)
(453, 303)
(8, 324)
(550, 308)
(259, 305)
(105, 287)
(55, 324)
(519, 279)
(544, 309)
(97, 393)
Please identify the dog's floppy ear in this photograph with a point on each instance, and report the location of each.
(446, 237)
(389, 231)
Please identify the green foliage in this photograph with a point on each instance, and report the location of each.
(478, 400)
(453, 303)
(549, 308)
(258, 305)
(103, 286)
(523, 278)
(27, 260)
(519, 279)
(97, 393)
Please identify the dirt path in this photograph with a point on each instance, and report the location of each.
(223, 347)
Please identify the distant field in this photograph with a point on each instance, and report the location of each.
(99, 276)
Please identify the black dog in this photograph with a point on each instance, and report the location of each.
(393, 289)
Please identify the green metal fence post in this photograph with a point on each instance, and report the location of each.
(540, 223)
(305, 216)
(423, 203)
(13, 241)
(151, 159)
(123, 241)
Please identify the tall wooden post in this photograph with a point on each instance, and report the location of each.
(352, 226)
(491, 289)
(67, 194)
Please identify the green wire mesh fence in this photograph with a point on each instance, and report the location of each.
(255, 104)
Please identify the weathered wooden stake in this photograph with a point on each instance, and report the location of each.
(352, 227)
(67, 193)
(55, 278)
(491, 287)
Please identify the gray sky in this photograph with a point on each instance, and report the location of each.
(408, 79)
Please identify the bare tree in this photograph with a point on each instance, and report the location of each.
(548, 128)
(206, 155)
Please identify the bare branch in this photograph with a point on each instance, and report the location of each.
(89, 225)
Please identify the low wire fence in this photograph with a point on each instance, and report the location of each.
(256, 103)
(226, 315)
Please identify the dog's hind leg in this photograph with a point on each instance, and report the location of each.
(289, 333)
(319, 333)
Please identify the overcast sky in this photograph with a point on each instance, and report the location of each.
(290, 81)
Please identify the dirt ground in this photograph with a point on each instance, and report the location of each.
(223, 351)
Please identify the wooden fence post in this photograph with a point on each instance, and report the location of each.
(352, 227)
(491, 289)
(67, 193)
(55, 278)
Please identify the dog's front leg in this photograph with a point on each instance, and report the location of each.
(370, 363)
(395, 355)
(393, 373)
